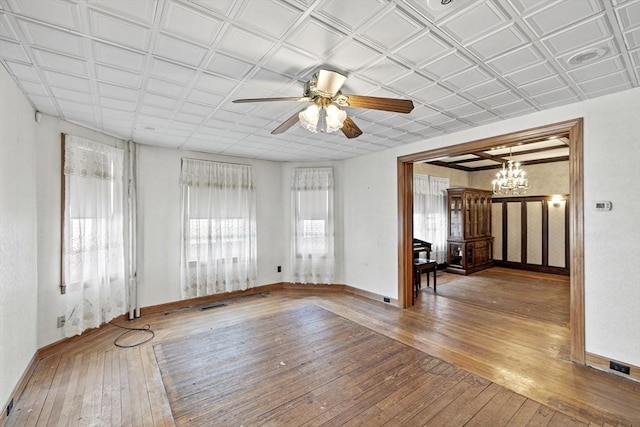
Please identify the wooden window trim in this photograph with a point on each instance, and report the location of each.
(63, 195)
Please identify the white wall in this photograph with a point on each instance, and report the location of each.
(18, 234)
(371, 223)
(612, 272)
(159, 221)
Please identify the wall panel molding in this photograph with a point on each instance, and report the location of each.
(520, 217)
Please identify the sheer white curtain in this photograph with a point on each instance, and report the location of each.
(218, 251)
(93, 251)
(312, 225)
(430, 213)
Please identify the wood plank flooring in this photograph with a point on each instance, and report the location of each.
(519, 293)
(442, 362)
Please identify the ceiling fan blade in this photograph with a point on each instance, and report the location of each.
(330, 82)
(286, 98)
(350, 129)
(286, 125)
(375, 103)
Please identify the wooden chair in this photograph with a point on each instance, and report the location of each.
(420, 267)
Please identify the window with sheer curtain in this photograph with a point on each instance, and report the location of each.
(312, 227)
(218, 249)
(93, 249)
(430, 213)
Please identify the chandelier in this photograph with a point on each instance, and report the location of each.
(313, 119)
(510, 181)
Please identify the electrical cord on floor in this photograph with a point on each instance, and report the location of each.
(145, 328)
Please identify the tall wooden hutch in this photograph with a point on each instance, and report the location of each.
(470, 244)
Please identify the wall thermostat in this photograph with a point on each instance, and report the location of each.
(603, 206)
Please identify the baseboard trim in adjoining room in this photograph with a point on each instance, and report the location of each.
(371, 295)
(603, 364)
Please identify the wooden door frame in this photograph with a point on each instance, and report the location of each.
(573, 129)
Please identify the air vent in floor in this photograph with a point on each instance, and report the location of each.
(212, 305)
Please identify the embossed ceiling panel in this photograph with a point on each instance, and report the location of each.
(350, 15)
(517, 59)
(562, 14)
(504, 40)
(480, 18)
(164, 72)
(188, 23)
(46, 37)
(391, 29)
(118, 30)
(179, 50)
(59, 12)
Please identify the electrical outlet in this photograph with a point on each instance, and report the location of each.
(386, 299)
(619, 367)
(61, 320)
(279, 269)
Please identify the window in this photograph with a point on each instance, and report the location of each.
(312, 216)
(93, 250)
(430, 213)
(312, 237)
(229, 233)
(218, 228)
(88, 239)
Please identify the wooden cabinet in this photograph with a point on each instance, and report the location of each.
(470, 244)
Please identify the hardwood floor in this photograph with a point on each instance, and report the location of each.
(512, 292)
(446, 361)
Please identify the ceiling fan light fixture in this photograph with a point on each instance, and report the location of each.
(332, 120)
(309, 118)
(323, 92)
(335, 117)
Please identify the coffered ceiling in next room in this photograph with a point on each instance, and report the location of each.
(165, 72)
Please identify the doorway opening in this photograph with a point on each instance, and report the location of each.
(574, 130)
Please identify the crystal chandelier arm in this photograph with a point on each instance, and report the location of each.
(510, 180)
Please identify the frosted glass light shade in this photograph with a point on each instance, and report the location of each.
(309, 118)
(332, 120)
(335, 117)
